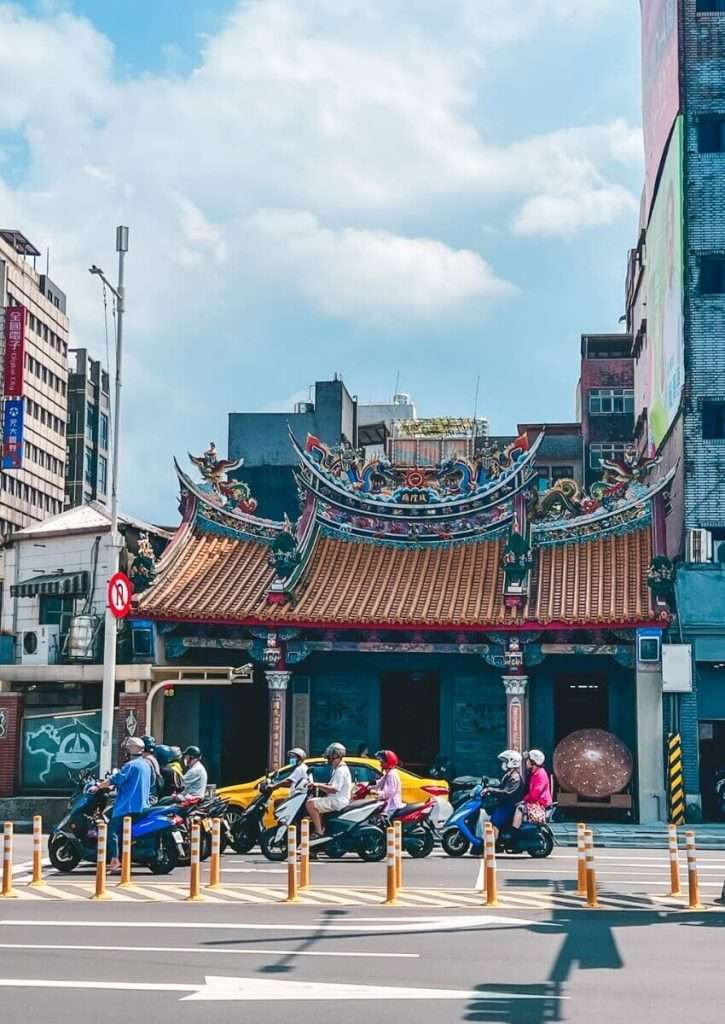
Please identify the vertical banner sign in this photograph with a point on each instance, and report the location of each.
(13, 433)
(14, 351)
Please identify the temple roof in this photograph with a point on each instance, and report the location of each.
(206, 577)
(459, 560)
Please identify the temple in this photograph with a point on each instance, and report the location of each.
(446, 611)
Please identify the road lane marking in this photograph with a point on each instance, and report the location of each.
(216, 988)
(425, 922)
(208, 950)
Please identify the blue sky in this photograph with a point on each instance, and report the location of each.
(366, 186)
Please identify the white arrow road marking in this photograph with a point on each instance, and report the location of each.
(258, 989)
(392, 924)
(202, 949)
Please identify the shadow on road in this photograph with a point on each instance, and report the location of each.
(589, 944)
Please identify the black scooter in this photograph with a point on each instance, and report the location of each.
(246, 823)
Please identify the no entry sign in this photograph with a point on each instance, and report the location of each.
(119, 595)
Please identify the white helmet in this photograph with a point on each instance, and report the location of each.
(510, 759)
(537, 756)
(298, 753)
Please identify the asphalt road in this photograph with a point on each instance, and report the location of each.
(63, 962)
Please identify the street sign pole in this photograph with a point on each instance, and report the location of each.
(111, 623)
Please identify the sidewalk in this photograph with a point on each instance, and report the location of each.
(613, 834)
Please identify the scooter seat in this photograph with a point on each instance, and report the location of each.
(408, 809)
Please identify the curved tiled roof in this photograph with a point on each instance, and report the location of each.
(207, 577)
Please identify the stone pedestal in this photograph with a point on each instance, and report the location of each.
(277, 693)
(517, 712)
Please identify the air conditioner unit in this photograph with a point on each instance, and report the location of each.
(718, 551)
(699, 546)
(40, 645)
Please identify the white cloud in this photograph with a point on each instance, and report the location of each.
(372, 274)
(310, 163)
(567, 213)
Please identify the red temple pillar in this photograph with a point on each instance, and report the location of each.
(517, 712)
(277, 693)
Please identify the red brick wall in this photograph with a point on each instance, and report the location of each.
(12, 705)
(134, 703)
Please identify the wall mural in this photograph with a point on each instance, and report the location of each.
(56, 748)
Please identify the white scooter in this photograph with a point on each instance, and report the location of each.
(346, 831)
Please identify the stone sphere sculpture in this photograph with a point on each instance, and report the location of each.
(593, 763)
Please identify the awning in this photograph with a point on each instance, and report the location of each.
(71, 584)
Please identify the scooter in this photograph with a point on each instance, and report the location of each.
(459, 835)
(418, 833)
(350, 830)
(245, 823)
(157, 838)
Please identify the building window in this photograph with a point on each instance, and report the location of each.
(605, 450)
(103, 440)
(91, 421)
(56, 611)
(712, 275)
(542, 479)
(89, 466)
(102, 474)
(562, 473)
(713, 421)
(610, 401)
(710, 7)
(711, 134)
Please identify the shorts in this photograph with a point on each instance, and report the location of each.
(327, 804)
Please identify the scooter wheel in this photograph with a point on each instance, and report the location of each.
(420, 846)
(243, 840)
(455, 843)
(63, 854)
(372, 845)
(545, 848)
(167, 856)
(271, 848)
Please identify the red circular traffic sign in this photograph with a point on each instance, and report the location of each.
(119, 595)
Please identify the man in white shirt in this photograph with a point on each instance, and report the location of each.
(337, 791)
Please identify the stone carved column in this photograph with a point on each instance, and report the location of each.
(517, 712)
(277, 693)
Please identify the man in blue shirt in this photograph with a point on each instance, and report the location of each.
(133, 785)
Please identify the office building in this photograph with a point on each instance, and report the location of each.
(36, 398)
(88, 430)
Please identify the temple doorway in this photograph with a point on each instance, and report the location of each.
(410, 717)
(580, 704)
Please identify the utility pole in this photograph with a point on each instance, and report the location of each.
(111, 623)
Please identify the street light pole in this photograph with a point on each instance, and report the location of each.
(111, 623)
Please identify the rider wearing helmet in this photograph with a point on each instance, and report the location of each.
(133, 783)
(336, 792)
(509, 790)
(388, 788)
(297, 779)
(171, 770)
(149, 753)
(195, 776)
(537, 797)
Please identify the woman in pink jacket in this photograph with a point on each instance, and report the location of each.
(537, 797)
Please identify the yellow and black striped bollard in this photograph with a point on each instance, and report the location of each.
(675, 780)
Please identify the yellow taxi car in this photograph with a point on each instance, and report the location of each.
(414, 788)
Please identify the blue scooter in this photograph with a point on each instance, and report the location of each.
(459, 832)
(158, 840)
